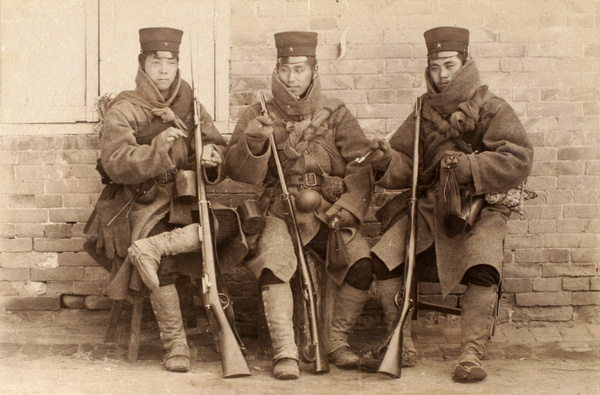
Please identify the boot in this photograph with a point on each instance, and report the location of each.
(388, 289)
(279, 311)
(165, 303)
(349, 303)
(145, 253)
(477, 314)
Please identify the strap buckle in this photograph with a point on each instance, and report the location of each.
(310, 179)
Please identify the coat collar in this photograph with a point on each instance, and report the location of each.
(290, 104)
(146, 87)
(462, 88)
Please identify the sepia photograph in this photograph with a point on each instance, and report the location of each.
(299, 197)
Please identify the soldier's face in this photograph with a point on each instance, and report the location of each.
(443, 69)
(296, 75)
(162, 69)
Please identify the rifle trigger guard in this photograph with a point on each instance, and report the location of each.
(224, 299)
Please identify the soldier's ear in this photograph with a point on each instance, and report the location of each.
(315, 71)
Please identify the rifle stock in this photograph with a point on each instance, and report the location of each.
(317, 351)
(232, 358)
(391, 364)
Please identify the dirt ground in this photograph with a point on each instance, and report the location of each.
(64, 353)
(60, 375)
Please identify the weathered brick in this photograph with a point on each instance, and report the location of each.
(29, 259)
(9, 274)
(544, 299)
(547, 284)
(70, 214)
(522, 271)
(572, 270)
(98, 274)
(595, 284)
(93, 302)
(15, 245)
(57, 230)
(58, 245)
(564, 313)
(576, 284)
(21, 215)
(21, 201)
(517, 285)
(76, 201)
(57, 274)
(32, 303)
(75, 259)
(586, 298)
(7, 288)
(48, 201)
(87, 288)
(27, 230)
(59, 287)
(73, 301)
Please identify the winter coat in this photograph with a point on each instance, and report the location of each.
(326, 147)
(502, 160)
(141, 170)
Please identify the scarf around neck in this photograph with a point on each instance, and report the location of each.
(147, 95)
(460, 101)
(302, 117)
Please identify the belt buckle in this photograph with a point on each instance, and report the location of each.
(310, 179)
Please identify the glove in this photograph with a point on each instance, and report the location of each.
(116, 237)
(461, 165)
(338, 217)
(257, 132)
(379, 154)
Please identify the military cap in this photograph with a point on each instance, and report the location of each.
(446, 38)
(296, 44)
(160, 39)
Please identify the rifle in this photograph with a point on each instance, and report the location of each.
(391, 364)
(315, 352)
(232, 358)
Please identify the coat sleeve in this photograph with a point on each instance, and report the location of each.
(351, 141)
(240, 164)
(509, 156)
(398, 175)
(125, 161)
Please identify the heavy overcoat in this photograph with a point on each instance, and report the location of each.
(331, 150)
(502, 159)
(131, 156)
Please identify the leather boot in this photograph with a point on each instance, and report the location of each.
(279, 310)
(165, 303)
(477, 314)
(388, 289)
(145, 253)
(349, 303)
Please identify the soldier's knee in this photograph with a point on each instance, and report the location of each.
(268, 278)
(482, 275)
(382, 272)
(360, 275)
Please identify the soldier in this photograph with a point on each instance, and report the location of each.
(147, 139)
(472, 143)
(317, 139)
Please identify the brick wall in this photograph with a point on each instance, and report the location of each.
(542, 56)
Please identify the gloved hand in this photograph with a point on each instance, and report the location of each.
(460, 163)
(338, 217)
(257, 132)
(115, 237)
(380, 154)
(169, 135)
(210, 156)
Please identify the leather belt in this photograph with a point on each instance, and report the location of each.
(167, 176)
(306, 180)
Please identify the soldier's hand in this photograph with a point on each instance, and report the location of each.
(339, 217)
(257, 133)
(210, 156)
(378, 155)
(460, 164)
(169, 136)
